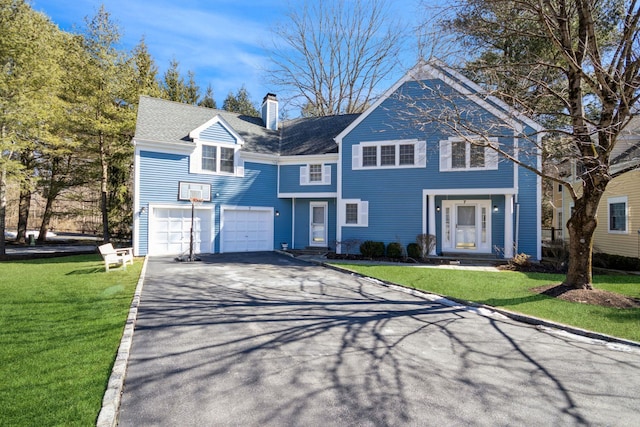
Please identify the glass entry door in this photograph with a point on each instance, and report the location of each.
(466, 226)
(318, 227)
(466, 231)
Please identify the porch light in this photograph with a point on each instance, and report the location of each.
(143, 210)
(277, 213)
(438, 208)
(495, 208)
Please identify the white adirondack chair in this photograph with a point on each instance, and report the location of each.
(120, 257)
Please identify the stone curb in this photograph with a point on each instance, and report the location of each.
(108, 416)
(485, 310)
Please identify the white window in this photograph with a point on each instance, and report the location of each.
(356, 213)
(389, 154)
(617, 208)
(457, 154)
(217, 159)
(315, 174)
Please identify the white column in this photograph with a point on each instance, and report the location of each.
(508, 225)
(432, 218)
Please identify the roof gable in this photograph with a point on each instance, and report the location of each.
(436, 70)
(216, 130)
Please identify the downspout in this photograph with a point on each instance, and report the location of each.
(517, 236)
(293, 223)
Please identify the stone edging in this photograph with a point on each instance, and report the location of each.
(108, 416)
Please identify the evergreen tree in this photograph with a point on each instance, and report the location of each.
(191, 90)
(208, 100)
(240, 103)
(173, 86)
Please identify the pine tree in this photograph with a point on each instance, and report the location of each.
(240, 103)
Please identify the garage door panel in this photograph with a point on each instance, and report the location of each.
(247, 230)
(172, 229)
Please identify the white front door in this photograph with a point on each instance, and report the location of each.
(318, 227)
(466, 226)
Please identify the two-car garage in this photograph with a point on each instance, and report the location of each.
(242, 229)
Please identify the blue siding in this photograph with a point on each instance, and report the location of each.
(160, 174)
(290, 180)
(303, 222)
(528, 204)
(395, 196)
(217, 133)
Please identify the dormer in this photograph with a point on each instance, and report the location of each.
(270, 111)
(217, 147)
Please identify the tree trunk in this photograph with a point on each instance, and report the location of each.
(46, 218)
(23, 212)
(3, 210)
(104, 181)
(581, 226)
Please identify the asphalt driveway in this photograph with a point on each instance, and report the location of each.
(266, 340)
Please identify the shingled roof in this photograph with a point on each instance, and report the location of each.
(165, 121)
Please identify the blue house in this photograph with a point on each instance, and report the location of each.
(404, 167)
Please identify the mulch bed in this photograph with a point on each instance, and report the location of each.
(588, 296)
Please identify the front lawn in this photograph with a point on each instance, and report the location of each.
(62, 320)
(511, 291)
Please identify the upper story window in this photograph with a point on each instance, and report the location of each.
(389, 154)
(315, 174)
(457, 154)
(617, 207)
(217, 149)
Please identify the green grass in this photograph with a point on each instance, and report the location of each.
(511, 291)
(62, 320)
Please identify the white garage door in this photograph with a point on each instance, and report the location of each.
(170, 231)
(245, 230)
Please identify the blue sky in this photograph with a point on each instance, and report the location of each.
(222, 41)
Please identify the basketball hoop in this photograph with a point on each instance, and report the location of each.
(196, 200)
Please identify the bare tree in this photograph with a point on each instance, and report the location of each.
(331, 54)
(574, 65)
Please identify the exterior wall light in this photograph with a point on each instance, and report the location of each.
(495, 208)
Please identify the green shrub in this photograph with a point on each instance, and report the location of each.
(616, 262)
(394, 250)
(371, 249)
(413, 251)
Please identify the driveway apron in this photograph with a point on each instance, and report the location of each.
(261, 339)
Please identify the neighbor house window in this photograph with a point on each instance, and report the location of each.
(315, 173)
(209, 156)
(617, 214)
(460, 154)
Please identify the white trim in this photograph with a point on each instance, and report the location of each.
(363, 212)
(267, 159)
(418, 160)
(468, 191)
(136, 204)
(446, 154)
(329, 194)
(324, 205)
(195, 134)
(195, 159)
(302, 159)
(164, 147)
(305, 174)
(616, 200)
(339, 201)
(508, 226)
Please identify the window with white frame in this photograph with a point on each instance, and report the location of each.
(617, 208)
(217, 159)
(315, 174)
(389, 154)
(356, 213)
(458, 154)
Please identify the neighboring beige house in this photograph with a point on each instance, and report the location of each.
(618, 231)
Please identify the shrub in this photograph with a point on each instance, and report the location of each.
(371, 249)
(413, 251)
(394, 250)
(616, 262)
(426, 243)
